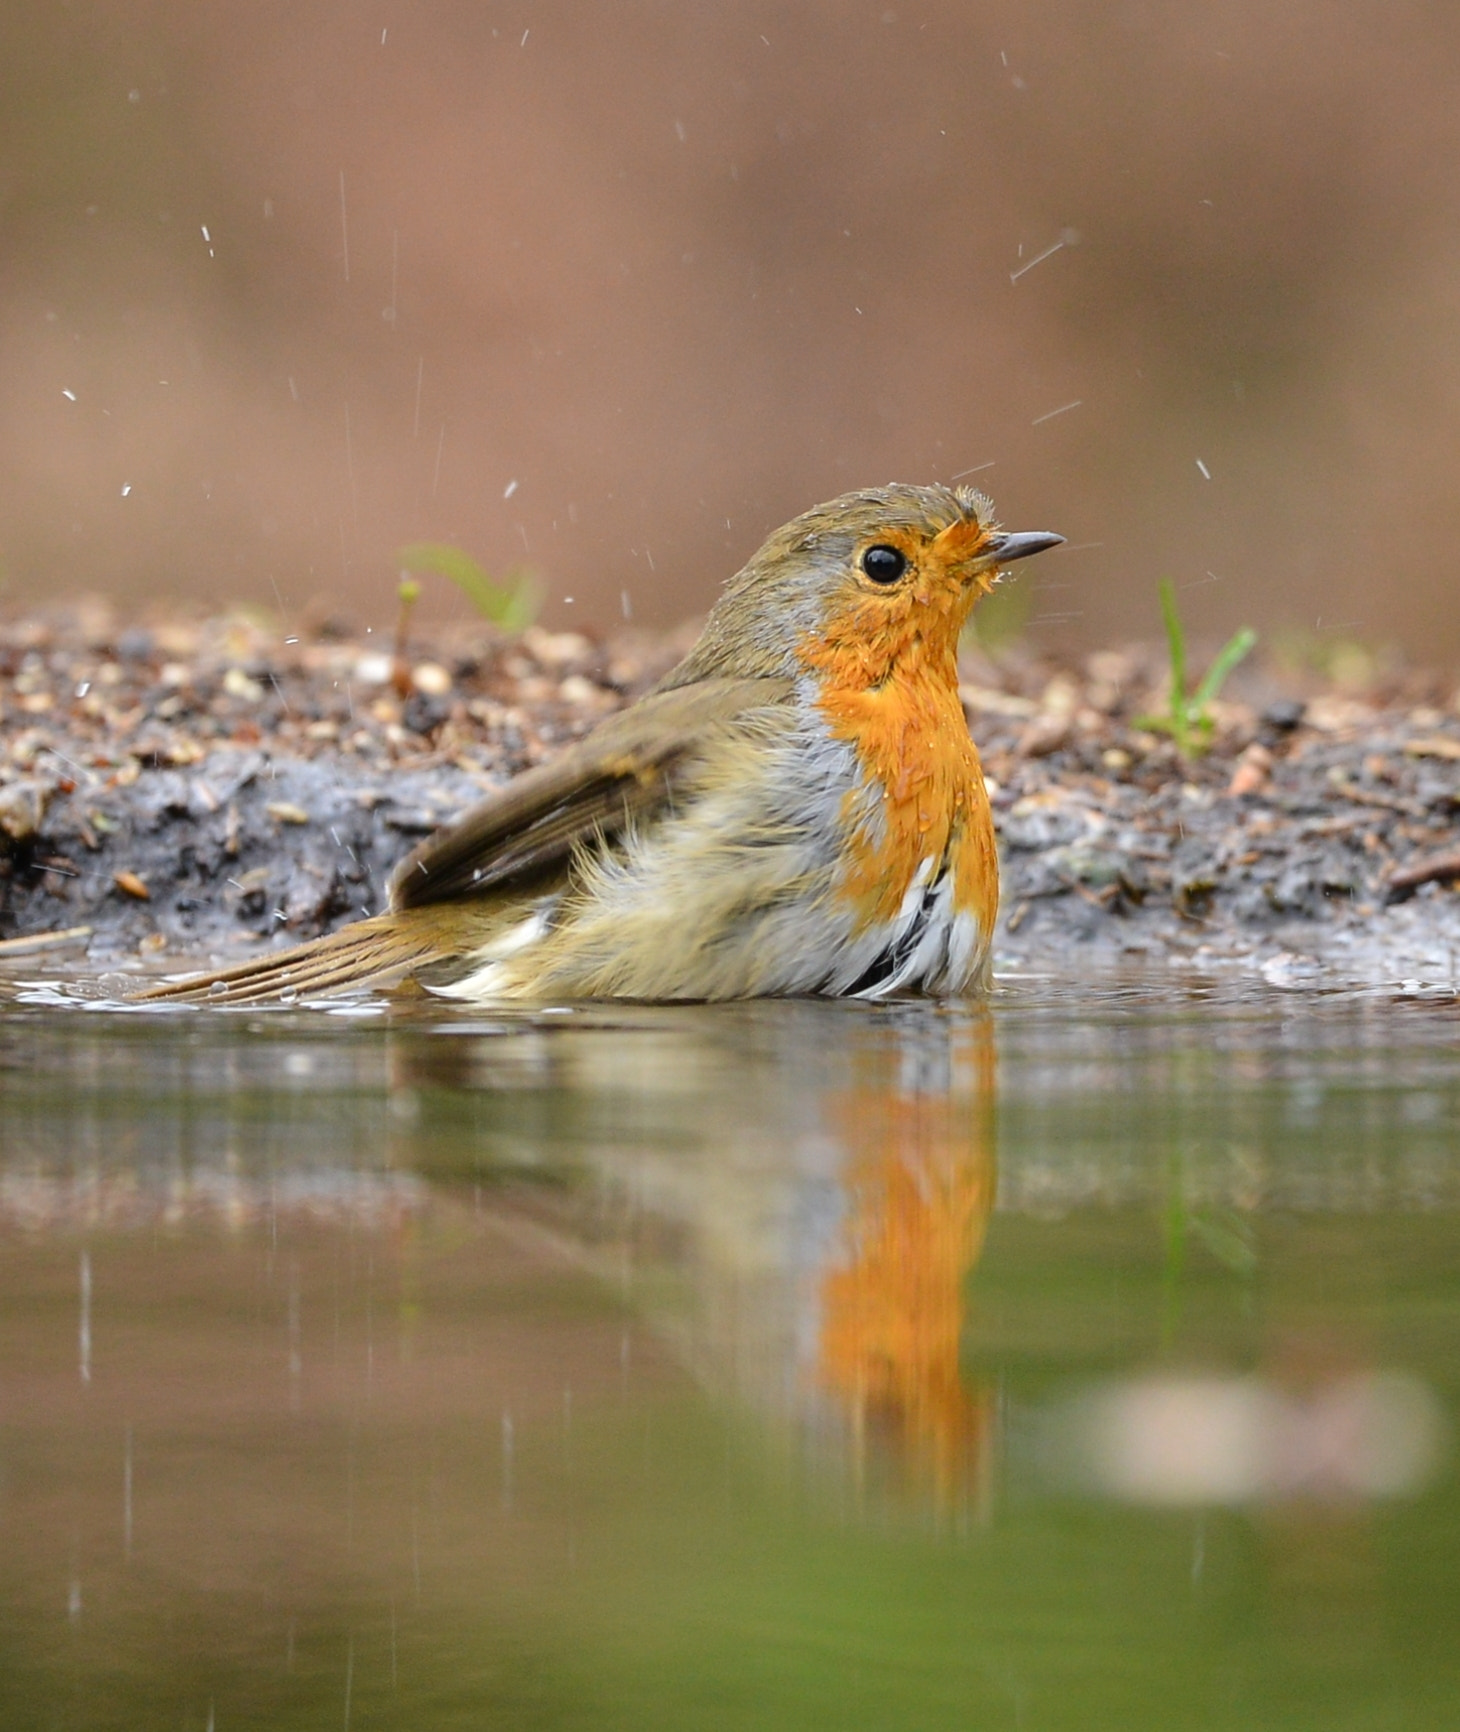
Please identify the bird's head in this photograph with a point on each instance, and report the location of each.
(852, 587)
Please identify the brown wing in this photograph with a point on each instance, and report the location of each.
(625, 770)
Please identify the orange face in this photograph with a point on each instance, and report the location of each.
(887, 661)
(905, 598)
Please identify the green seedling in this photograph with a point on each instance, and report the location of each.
(1188, 719)
(511, 604)
(408, 593)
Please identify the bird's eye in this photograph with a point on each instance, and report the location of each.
(884, 564)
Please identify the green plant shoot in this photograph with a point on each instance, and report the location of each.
(1188, 719)
(511, 604)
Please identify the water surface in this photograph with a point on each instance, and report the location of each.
(1089, 1363)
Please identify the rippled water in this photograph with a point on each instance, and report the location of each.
(1091, 1363)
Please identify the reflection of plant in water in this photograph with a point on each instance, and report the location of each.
(920, 1187)
(1224, 1233)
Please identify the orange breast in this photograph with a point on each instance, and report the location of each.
(906, 724)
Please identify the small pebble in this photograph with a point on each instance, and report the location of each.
(1440, 746)
(1285, 714)
(578, 692)
(1252, 771)
(431, 678)
(1045, 734)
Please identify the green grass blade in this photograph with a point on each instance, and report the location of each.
(511, 604)
(1233, 651)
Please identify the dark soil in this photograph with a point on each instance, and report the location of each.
(183, 793)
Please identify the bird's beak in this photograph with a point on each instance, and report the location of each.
(967, 547)
(1004, 549)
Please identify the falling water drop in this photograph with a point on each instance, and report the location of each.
(83, 1333)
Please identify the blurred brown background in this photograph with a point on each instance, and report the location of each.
(613, 290)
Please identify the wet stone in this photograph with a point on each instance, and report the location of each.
(1284, 714)
(134, 645)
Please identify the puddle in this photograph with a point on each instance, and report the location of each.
(1089, 1362)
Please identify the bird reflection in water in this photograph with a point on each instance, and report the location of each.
(919, 1182)
(800, 1242)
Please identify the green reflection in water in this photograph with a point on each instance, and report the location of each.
(667, 1369)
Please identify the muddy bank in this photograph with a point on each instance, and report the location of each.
(179, 794)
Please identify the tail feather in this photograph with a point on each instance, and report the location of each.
(378, 951)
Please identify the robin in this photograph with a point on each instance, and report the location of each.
(797, 808)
